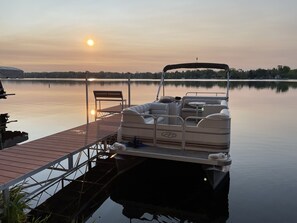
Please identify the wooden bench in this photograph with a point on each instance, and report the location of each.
(108, 96)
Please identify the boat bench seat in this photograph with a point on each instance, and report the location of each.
(213, 132)
(145, 114)
(210, 107)
(219, 120)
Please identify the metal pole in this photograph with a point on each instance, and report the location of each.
(228, 84)
(161, 83)
(6, 200)
(87, 97)
(129, 89)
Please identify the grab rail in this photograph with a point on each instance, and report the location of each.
(203, 92)
(182, 124)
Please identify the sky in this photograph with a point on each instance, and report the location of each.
(139, 36)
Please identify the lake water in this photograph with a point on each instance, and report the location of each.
(262, 183)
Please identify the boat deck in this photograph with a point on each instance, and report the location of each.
(114, 109)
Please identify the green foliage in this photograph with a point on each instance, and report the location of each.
(39, 220)
(14, 209)
(281, 72)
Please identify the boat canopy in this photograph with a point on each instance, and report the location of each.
(196, 65)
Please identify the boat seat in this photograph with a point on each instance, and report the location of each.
(145, 114)
(217, 120)
(210, 107)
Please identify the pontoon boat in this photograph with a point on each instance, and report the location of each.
(193, 128)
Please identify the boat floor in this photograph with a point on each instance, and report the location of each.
(200, 157)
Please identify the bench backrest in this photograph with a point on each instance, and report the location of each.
(99, 95)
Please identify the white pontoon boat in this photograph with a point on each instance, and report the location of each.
(193, 128)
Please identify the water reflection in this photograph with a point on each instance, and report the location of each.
(167, 191)
(263, 145)
(2, 92)
(10, 138)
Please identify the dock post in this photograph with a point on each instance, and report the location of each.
(129, 89)
(89, 162)
(105, 146)
(87, 97)
(1, 146)
(70, 162)
(6, 198)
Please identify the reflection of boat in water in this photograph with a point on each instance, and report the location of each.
(2, 92)
(170, 191)
(9, 138)
(194, 128)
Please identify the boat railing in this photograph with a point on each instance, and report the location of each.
(183, 123)
(180, 122)
(180, 125)
(198, 118)
(203, 92)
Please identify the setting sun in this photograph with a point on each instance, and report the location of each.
(90, 42)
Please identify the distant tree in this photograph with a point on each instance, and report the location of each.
(281, 72)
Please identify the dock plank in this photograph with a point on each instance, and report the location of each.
(113, 109)
(34, 153)
(24, 148)
(4, 179)
(11, 174)
(19, 164)
(8, 168)
(53, 147)
(21, 160)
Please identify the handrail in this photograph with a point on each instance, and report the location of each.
(156, 117)
(195, 66)
(204, 92)
(183, 143)
(160, 85)
(204, 117)
(170, 116)
(182, 124)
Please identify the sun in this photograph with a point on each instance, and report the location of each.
(90, 42)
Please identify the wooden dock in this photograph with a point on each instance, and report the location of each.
(21, 162)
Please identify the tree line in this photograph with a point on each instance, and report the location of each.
(280, 72)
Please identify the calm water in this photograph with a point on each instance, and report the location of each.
(263, 180)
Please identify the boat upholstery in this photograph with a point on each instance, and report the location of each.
(212, 133)
(138, 121)
(145, 114)
(217, 120)
(211, 106)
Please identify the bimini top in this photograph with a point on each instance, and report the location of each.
(196, 65)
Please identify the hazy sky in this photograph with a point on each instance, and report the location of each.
(138, 35)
